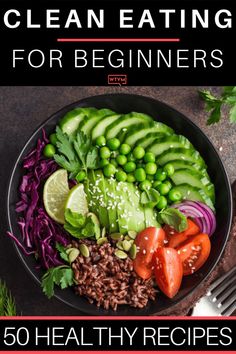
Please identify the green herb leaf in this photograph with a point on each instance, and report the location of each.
(62, 251)
(150, 197)
(62, 276)
(81, 226)
(215, 115)
(7, 302)
(65, 145)
(74, 219)
(92, 158)
(71, 166)
(173, 217)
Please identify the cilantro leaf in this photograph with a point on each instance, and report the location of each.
(7, 302)
(62, 251)
(81, 226)
(150, 197)
(92, 158)
(214, 115)
(65, 145)
(71, 166)
(62, 276)
(173, 217)
(74, 219)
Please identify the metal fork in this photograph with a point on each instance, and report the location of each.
(221, 297)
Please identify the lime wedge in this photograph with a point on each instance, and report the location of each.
(76, 200)
(55, 194)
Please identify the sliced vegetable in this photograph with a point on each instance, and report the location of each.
(194, 252)
(168, 270)
(202, 215)
(147, 241)
(175, 238)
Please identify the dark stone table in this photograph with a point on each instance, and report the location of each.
(22, 109)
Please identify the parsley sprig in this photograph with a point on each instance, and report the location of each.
(75, 152)
(7, 303)
(214, 104)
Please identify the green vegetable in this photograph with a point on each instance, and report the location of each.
(53, 139)
(49, 150)
(125, 149)
(104, 152)
(130, 157)
(138, 152)
(214, 104)
(130, 167)
(140, 174)
(81, 226)
(130, 178)
(62, 276)
(150, 197)
(76, 152)
(174, 195)
(149, 157)
(121, 176)
(7, 302)
(160, 175)
(101, 141)
(169, 169)
(162, 203)
(62, 251)
(80, 176)
(163, 188)
(145, 185)
(109, 170)
(121, 160)
(103, 162)
(114, 162)
(173, 217)
(150, 168)
(156, 184)
(113, 144)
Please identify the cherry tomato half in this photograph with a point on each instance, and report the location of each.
(147, 241)
(168, 270)
(176, 238)
(194, 252)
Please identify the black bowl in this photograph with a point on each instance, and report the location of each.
(124, 103)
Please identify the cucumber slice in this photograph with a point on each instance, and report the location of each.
(100, 127)
(126, 122)
(195, 194)
(70, 122)
(91, 120)
(141, 132)
(147, 140)
(194, 179)
(173, 141)
(190, 155)
(180, 164)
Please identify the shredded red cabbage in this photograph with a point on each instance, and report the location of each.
(39, 232)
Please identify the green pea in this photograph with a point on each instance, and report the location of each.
(114, 162)
(113, 144)
(140, 175)
(139, 152)
(130, 178)
(121, 176)
(109, 170)
(163, 188)
(169, 169)
(49, 150)
(125, 149)
(121, 160)
(174, 195)
(53, 139)
(151, 168)
(168, 183)
(150, 178)
(101, 141)
(145, 185)
(156, 184)
(103, 162)
(130, 167)
(105, 152)
(80, 176)
(160, 175)
(149, 157)
(130, 157)
(162, 203)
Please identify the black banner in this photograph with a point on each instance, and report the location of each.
(117, 334)
(117, 42)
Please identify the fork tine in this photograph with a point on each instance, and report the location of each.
(230, 300)
(221, 279)
(230, 309)
(224, 295)
(224, 284)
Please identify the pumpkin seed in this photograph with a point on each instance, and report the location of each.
(116, 236)
(103, 232)
(84, 250)
(120, 254)
(73, 254)
(101, 241)
(132, 234)
(119, 245)
(68, 250)
(126, 245)
(133, 251)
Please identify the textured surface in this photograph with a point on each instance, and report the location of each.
(22, 109)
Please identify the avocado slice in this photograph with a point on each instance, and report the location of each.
(112, 199)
